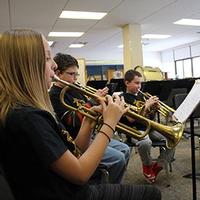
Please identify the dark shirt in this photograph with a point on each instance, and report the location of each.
(71, 119)
(131, 99)
(5, 191)
(31, 142)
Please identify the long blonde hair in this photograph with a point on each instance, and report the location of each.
(22, 71)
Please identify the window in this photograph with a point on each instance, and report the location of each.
(196, 67)
(183, 68)
(179, 69)
(187, 68)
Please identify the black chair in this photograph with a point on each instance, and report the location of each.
(173, 93)
(100, 176)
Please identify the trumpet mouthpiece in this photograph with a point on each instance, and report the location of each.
(56, 78)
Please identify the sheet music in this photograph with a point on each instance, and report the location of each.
(189, 104)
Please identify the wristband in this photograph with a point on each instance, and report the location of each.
(105, 135)
(109, 126)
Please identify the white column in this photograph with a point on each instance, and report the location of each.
(132, 46)
(82, 71)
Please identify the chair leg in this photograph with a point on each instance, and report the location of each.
(170, 166)
(199, 146)
(136, 150)
(104, 176)
(167, 167)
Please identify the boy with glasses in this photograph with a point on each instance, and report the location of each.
(117, 154)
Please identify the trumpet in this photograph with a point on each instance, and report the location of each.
(92, 90)
(173, 134)
(164, 109)
(88, 88)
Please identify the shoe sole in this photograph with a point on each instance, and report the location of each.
(157, 171)
(149, 179)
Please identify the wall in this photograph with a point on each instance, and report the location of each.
(151, 59)
(169, 56)
(82, 71)
(165, 60)
(100, 71)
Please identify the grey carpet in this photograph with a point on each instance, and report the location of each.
(180, 188)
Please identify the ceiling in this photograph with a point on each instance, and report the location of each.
(103, 36)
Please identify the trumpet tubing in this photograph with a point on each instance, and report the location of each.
(88, 88)
(95, 116)
(164, 109)
(173, 134)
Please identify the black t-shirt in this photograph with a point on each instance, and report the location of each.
(30, 144)
(71, 119)
(131, 99)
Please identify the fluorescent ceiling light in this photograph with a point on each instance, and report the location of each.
(155, 36)
(82, 15)
(50, 43)
(76, 45)
(189, 22)
(65, 34)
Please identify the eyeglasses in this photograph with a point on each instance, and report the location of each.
(75, 74)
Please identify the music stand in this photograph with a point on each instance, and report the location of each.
(112, 88)
(98, 84)
(193, 158)
(178, 99)
(120, 84)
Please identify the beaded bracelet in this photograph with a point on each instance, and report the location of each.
(109, 126)
(105, 135)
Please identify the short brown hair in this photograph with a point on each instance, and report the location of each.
(130, 75)
(64, 61)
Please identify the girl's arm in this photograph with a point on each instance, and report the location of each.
(79, 170)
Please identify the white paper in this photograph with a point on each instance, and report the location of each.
(189, 104)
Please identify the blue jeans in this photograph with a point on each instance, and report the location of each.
(116, 158)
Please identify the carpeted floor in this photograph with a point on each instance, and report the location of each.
(173, 186)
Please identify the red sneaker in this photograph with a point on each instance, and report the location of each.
(156, 168)
(149, 173)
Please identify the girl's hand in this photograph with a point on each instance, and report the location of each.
(114, 109)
